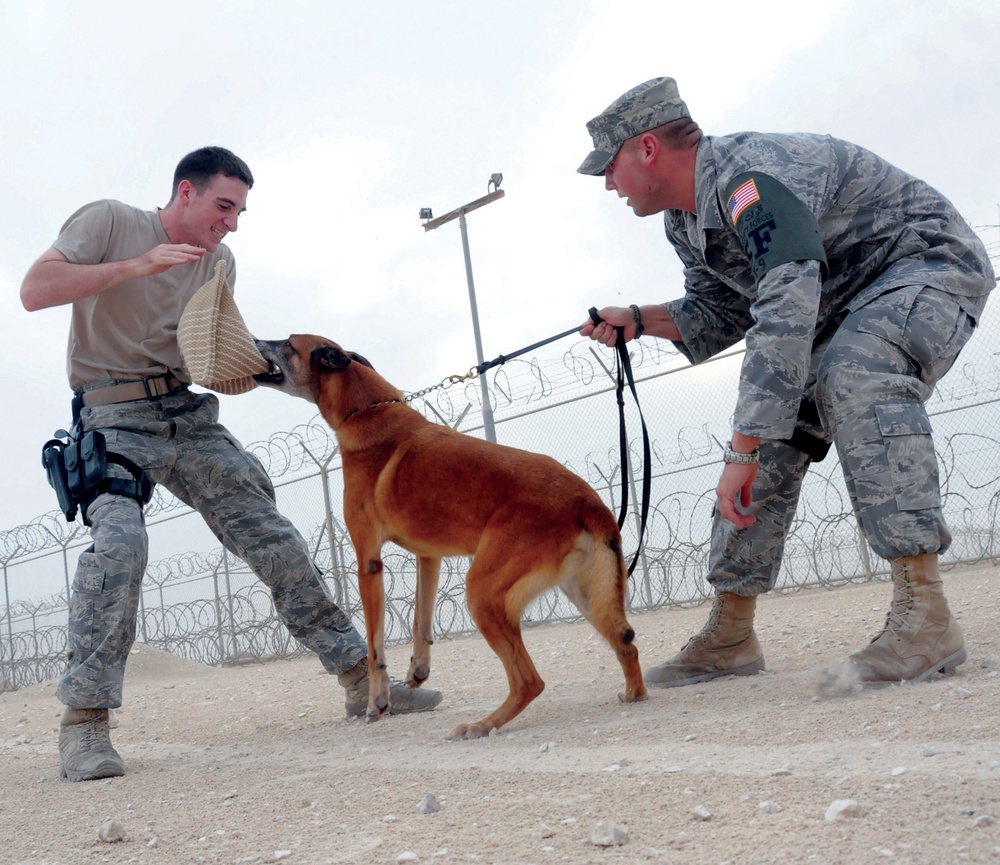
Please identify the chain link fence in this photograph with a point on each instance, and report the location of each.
(201, 603)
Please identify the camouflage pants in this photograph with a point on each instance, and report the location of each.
(871, 378)
(181, 445)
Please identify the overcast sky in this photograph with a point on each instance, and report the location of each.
(353, 116)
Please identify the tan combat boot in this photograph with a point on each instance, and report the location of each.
(85, 750)
(402, 700)
(920, 637)
(726, 646)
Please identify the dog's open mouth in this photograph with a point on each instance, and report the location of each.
(273, 376)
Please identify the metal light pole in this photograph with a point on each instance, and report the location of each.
(459, 213)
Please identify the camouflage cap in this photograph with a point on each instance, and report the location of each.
(642, 108)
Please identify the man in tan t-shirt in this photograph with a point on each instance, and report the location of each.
(129, 274)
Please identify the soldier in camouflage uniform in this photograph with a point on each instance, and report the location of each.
(855, 287)
(128, 274)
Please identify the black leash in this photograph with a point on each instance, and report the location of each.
(503, 358)
(623, 372)
(487, 365)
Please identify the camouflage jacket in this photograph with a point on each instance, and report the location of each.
(792, 231)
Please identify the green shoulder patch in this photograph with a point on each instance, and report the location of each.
(773, 225)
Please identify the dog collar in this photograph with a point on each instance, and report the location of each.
(373, 405)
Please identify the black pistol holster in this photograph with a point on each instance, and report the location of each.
(77, 469)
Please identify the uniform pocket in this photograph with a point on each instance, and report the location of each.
(89, 579)
(910, 455)
(84, 621)
(937, 329)
(886, 315)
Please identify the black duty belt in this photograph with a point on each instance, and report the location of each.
(151, 387)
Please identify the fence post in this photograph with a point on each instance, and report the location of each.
(866, 560)
(10, 630)
(229, 605)
(142, 616)
(218, 615)
(65, 558)
(336, 566)
(324, 476)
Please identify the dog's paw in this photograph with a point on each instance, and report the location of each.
(633, 696)
(417, 675)
(377, 708)
(470, 731)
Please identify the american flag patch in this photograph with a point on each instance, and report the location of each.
(744, 195)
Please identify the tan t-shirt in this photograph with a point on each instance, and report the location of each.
(128, 331)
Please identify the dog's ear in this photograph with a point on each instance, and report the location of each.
(330, 358)
(361, 359)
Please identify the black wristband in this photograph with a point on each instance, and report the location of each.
(638, 320)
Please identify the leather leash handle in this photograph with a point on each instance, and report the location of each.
(619, 349)
(626, 366)
(623, 373)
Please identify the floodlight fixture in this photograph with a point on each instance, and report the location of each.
(430, 223)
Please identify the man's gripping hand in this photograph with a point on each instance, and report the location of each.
(611, 317)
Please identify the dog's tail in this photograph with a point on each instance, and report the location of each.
(608, 580)
(603, 576)
(617, 587)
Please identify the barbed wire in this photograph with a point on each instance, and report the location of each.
(210, 607)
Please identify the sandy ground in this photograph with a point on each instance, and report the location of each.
(257, 764)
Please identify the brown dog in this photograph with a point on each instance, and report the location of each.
(530, 523)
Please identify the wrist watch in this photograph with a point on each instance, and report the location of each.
(731, 456)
